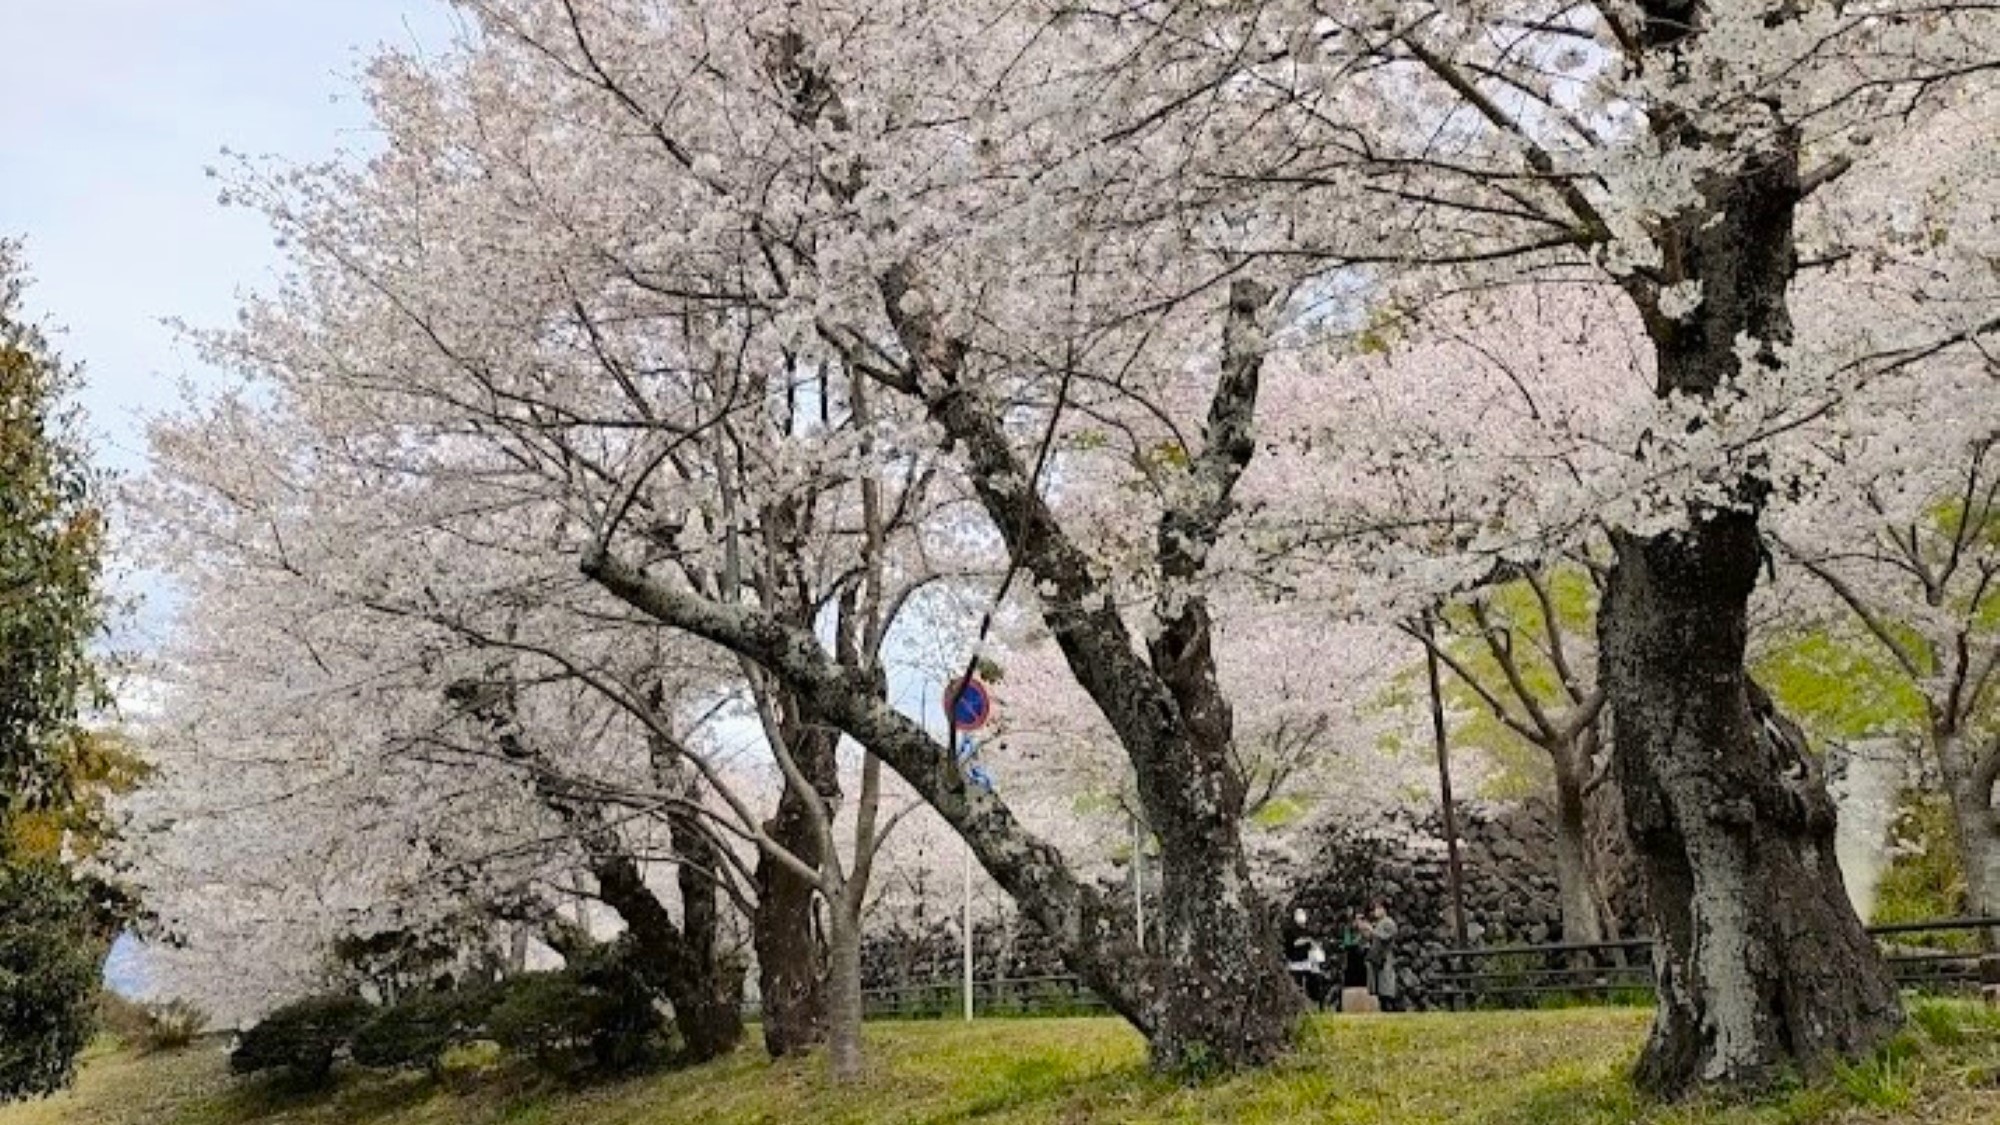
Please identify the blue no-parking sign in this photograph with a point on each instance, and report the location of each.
(968, 704)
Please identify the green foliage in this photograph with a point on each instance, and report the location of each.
(1521, 769)
(594, 1016)
(1925, 879)
(1954, 1023)
(1839, 686)
(302, 1038)
(1280, 812)
(49, 965)
(477, 1056)
(51, 549)
(415, 1033)
(1883, 1082)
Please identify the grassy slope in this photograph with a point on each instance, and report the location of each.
(1554, 1068)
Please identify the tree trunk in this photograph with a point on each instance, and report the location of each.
(708, 1007)
(844, 993)
(1251, 1007)
(1761, 962)
(1612, 870)
(1969, 780)
(791, 951)
(682, 966)
(1225, 1000)
(1583, 910)
(706, 1013)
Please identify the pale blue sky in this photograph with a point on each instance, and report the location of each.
(109, 112)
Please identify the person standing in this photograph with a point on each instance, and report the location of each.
(1383, 980)
(1307, 961)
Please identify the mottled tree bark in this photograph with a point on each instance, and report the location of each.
(1226, 998)
(844, 994)
(1762, 964)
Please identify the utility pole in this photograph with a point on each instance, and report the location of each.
(1456, 873)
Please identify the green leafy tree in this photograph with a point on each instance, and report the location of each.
(53, 927)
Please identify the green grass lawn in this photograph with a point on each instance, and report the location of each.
(1504, 1068)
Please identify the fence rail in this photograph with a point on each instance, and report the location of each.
(1943, 956)
(1059, 994)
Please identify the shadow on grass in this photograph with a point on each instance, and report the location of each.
(352, 1096)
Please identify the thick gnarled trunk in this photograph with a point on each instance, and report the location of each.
(706, 991)
(1762, 965)
(1224, 999)
(679, 963)
(706, 996)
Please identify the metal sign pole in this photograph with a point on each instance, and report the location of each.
(971, 695)
(968, 932)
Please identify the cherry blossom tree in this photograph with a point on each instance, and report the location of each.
(1659, 152)
(1417, 483)
(1900, 541)
(769, 212)
(972, 256)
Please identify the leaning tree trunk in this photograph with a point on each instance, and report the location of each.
(682, 966)
(791, 951)
(1761, 962)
